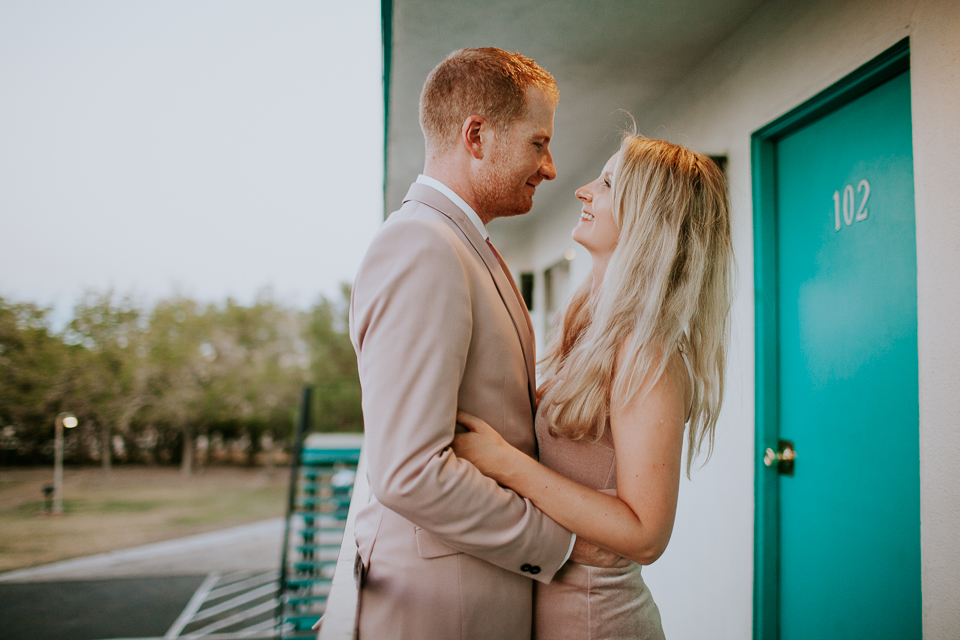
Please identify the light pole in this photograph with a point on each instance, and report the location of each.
(69, 421)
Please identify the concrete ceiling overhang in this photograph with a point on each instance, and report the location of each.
(606, 57)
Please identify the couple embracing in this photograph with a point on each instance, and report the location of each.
(467, 535)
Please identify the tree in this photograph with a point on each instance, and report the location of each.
(259, 363)
(114, 378)
(177, 331)
(333, 365)
(33, 372)
(174, 370)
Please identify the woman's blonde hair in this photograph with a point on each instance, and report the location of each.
(667, 285)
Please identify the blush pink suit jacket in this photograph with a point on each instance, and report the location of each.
(438, 325)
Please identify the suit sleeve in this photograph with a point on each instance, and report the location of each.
(411, 324)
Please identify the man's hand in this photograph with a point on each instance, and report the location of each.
(591, 555)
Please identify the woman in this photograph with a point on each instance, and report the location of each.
(638, 355)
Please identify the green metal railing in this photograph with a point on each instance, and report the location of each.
(322, 473)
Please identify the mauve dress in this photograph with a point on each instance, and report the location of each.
(591, 603)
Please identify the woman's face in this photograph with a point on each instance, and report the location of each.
(597, 231)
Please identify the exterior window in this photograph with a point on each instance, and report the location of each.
(556, 284)
(721, 162)
(526, 289)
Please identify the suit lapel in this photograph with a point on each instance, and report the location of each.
(506, 285)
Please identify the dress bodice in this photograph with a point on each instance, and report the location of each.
(584, 602)
(592, 464)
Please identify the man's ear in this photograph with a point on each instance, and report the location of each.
(470, 135)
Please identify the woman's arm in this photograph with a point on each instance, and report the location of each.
(648, 440)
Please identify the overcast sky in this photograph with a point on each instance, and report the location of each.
(212, 147)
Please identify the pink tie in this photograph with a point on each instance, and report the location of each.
(506, 271)
(503, 264)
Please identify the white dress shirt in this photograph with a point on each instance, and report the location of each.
(457, 200)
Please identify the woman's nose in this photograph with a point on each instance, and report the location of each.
(583, 194)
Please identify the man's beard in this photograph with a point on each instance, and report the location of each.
(500, 195)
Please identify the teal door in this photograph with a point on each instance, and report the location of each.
(846, 378)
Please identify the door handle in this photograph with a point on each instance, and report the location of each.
(784, 457)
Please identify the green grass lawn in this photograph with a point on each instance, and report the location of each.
(127, 507)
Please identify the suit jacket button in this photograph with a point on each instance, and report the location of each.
(528, 569)
(534, 569)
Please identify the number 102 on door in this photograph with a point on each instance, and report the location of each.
(848, 198)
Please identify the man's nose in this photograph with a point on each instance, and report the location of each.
(547, 170)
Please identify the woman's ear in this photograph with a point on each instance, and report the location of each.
(471, 136)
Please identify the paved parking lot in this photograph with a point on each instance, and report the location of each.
(133, 593)
(93, 609)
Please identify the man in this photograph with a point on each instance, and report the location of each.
(438, 324)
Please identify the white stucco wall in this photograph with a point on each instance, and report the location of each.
(787, 52)
(935, 47)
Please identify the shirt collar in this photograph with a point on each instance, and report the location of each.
(457, 200)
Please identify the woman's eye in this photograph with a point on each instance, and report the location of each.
(606, 183)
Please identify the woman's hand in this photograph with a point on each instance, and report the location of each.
(482, 445)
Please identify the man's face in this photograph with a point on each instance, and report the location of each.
(517, 162)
